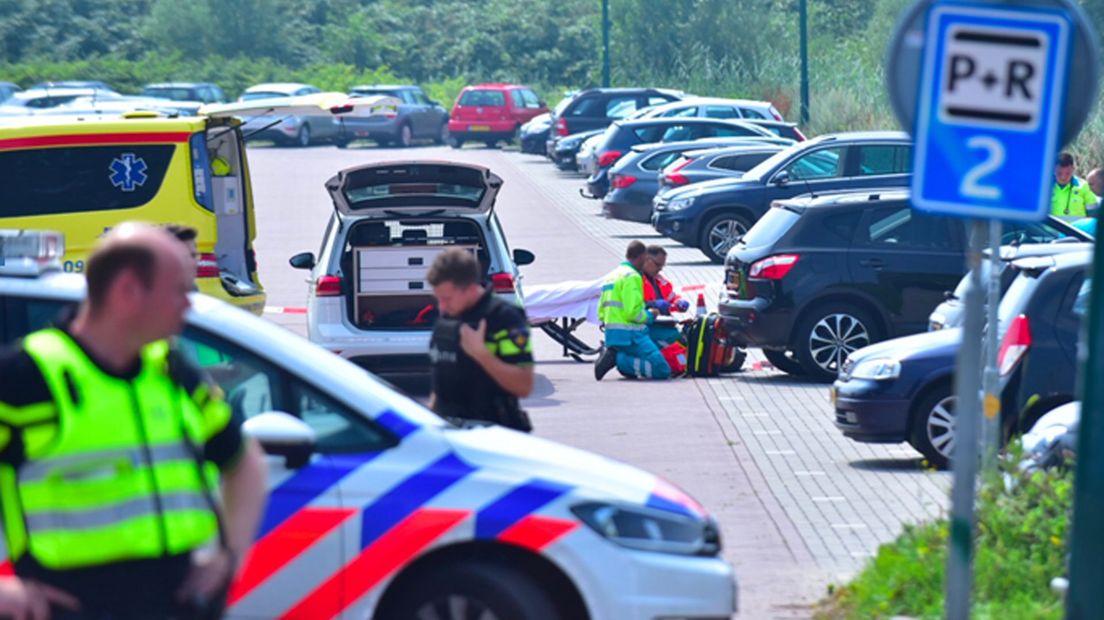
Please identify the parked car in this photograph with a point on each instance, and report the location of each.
(901, 389)
(782, 129)
(89, 84)
(587, 156)
(293, 130)
(438, 516)
(122, 104)
(533, 135)
(368, 299)
(713, 107)
(1052, 442)
(417, 117)
(549, 145)
(596, 108)
(569, 148)
(724, 162)
(33, 100)
(623, 135)
(634, 179)
(819, 277)
(7, 89)
(714, 215)
(203, 92)
(491, 113)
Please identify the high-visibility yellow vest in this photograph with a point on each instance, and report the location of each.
(120, 474)
(621, 306)
(1072, 200)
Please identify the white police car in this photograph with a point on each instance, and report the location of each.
(380, 509)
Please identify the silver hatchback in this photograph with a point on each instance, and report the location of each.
(368, 299)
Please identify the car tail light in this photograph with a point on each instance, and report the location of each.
(1016, 342)
(608, 158)
(502, 283)
(674, 177)
(621, 181)
(207, 266)
(561, 126)
(774, 267)
(328, 286)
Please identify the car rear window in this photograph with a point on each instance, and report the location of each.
(770, 228)
(660, 160)
(739, 162)
(417, 185)
(72, 180)
(484, 98)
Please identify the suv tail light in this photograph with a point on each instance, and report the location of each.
(774, 267)
(1016, 342)
(621, 181)
(561, 126)
(673, 177)
(606, 159)
(328, 286)
(207, 266)
(502, 283)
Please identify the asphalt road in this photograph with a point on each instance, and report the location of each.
(799, 506)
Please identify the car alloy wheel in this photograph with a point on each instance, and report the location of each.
(833, 338)
(721, 234)
(455, 607)
(406, 136)
(303, 138)
(939, 426)
(932, 425)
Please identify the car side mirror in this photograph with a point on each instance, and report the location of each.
(523, 257)
(782, 178)
(282, 434)
(303, 260)
(542, 104)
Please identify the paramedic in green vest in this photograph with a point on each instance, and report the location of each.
(1071, 198)
(109, 444)
(625, 321)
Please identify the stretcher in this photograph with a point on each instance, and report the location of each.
(560, 309)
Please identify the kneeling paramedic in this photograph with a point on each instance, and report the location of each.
(109, 444)
(629, 347)
(480, 349)
(660, 294)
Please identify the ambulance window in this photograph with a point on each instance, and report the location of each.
(88, 178)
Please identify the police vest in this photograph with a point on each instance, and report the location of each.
(120, 475)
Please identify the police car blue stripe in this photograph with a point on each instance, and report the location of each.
(515, 505)
(303, 487)
(409, 495)
(396, 424)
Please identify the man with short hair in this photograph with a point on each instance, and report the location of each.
(480, 349)
(625, 321)
(1095, 178)
(1071, 197)
(106, 435)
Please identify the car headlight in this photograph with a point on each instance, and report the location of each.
(680, 203)
(876, 369)
(648, 529)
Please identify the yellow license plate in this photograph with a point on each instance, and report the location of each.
(479, 128)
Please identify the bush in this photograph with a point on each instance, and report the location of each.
(1023, 522)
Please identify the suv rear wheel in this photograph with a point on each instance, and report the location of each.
(720, 233)
(406, 136)
(483, 590)
(785, 361)
(828, 334)
(933, 426)
(303, 138)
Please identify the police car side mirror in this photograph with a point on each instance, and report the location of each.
(303, 260)
(523, 257)
(282, 434)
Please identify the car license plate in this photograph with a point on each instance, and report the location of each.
(479, 128)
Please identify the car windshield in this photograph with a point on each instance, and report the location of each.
(174, 94)
(487, 98)
(261, 94)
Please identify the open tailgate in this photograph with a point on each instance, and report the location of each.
(414, 187)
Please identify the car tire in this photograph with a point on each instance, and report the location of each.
(785, 361)
(721, 233)
(303, 138)
(442, 134)
(737, 362)
(405, 137)
(455, 142)
(478, 589)
(932, 428)
(828, 334)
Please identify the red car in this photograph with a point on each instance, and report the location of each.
(492, 112)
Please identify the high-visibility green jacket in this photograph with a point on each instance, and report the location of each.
(1072, 200)
(120, 474)
(621, 306)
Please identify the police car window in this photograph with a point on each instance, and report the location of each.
(88, 178)
(23, 315)
(337, 430)
(820, 164)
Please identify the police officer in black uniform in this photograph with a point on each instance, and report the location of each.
(480, 350)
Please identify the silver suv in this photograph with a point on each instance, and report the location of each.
(368, 299)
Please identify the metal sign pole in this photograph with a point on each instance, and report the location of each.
(991, 402)
(965, 455)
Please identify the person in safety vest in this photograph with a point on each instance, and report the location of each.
(660, 294)
(1071, 197)
(625, 320)
(109, 440)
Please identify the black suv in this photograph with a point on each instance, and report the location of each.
(596, 108)
(715, 214)
(819, 277)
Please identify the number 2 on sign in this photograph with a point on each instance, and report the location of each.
(971, 183)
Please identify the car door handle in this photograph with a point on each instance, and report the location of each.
(874, 263)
